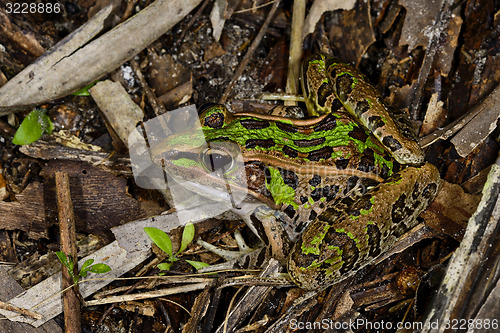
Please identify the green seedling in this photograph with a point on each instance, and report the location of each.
(84, 91)
(33, 126)
(162, 240)
(88, 266)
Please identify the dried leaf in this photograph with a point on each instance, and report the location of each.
(321, 6)
(420, 16)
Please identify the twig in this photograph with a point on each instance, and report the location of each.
(151, 294)
(158, 107)
(72, 315)
(23, 311)
(249, 53)
(292, 80)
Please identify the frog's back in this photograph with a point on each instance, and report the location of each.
(300, 166)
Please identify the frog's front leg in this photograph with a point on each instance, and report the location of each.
(347, 237)
(265, 224)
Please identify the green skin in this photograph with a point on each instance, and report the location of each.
(350, 148)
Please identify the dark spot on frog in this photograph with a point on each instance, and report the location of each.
(415, 193)
(367, 162)
(336, 105)
(329, 123)
(374, 237)
(342, 163)
(429, 191)
(350, 252)
(351, 183)
(316, 194)
(290, 211)
(221, 138)
(301, 259)
(395, 178)
(361, 107)
(290, 151)
(259, 227)
(399, 230)
(254, 124)
(358, 133)
(330, 192)
(309, 143)
(313, 215)
(384, 171)
(324, 91)
(343, 84)
(375, 122)
(252, 143)
(215, 120)
(364, 203)
(315, 180)
(398, 209)
(322, 153)
(261, 258)
(300, 227)
(289, 178)
(286, 127)
(330, 215)
(391, 143)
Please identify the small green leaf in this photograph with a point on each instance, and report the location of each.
(187, 236)
(99, 268)
(33, 126)
(87, 264)
(161, 239)
(164, 266)
(84, 91)
(63, 259)
(197, 264)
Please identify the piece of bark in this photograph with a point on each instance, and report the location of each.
(71, 301)
(120, 111)
(461, 281)
(8, 289)
(132, 247)
(49, 150)
(7, 252)
(97, 196)
(450, 210)
(485, 122)
(61, 73)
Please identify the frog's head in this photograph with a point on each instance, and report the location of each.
(200, 159)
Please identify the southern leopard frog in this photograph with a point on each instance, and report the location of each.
(346, 183)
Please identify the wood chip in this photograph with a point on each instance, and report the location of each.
(115, 103)
(61, 73)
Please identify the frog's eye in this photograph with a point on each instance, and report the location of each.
(214, 160)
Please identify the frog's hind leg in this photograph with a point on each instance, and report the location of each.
(363, 102)
(345, 238)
